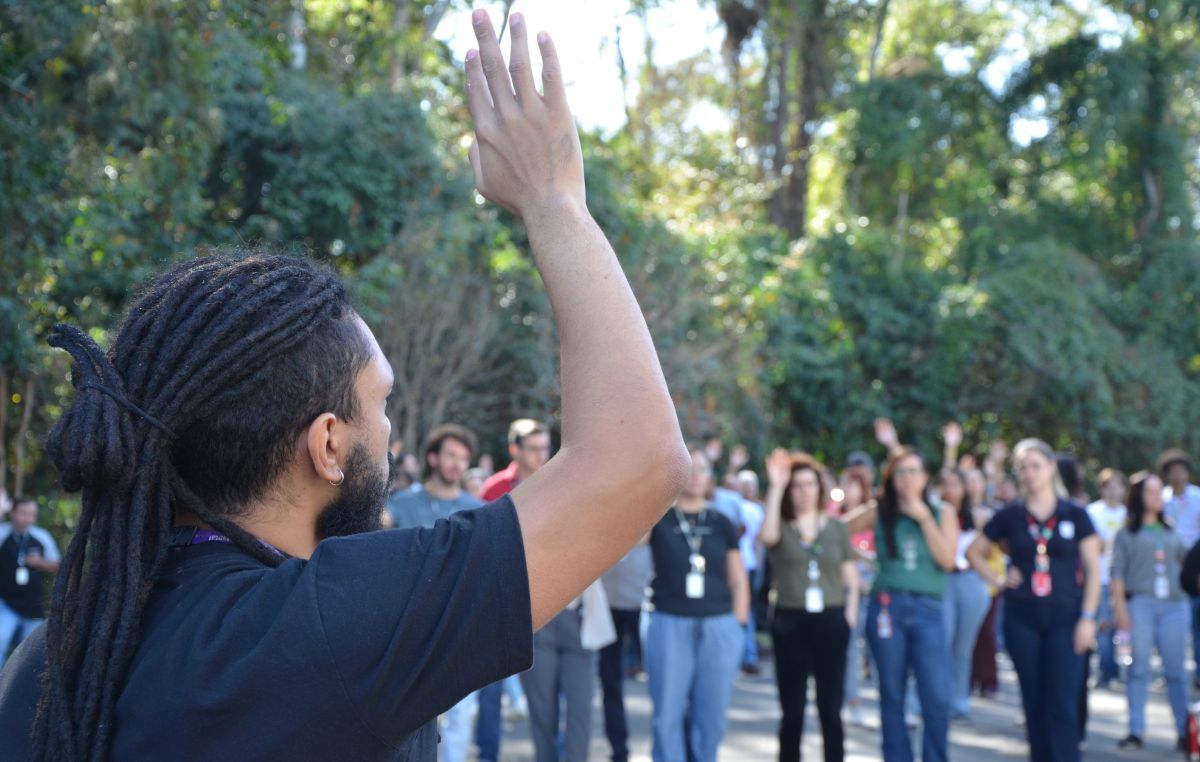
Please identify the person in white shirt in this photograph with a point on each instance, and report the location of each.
(751, 548)
(1108, 516)
(1181, 505)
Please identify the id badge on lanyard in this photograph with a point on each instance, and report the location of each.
(22, 569)
(693, 584)
(1162, 586)
(814, 596)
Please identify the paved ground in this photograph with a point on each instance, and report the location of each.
(992, 735)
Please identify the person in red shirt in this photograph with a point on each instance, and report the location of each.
(529, 449)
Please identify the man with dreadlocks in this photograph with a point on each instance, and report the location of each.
(223, 597)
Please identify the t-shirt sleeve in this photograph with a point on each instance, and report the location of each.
(413, 621)
(729, 535)
(1084, 527)
(49, 547)
(996, 528)
(845, 548)
(1189, 577)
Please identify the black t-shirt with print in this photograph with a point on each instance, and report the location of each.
(671, 563)
(349, 655)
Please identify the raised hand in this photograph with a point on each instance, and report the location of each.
(526, 155)
(952, 434)
(779, 468)
(885, 433)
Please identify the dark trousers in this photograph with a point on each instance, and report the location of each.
(612, 677)
(810, 644)
(563, 673)
(1040, 638)
(983, 663)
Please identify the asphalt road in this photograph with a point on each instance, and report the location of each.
(993, 733)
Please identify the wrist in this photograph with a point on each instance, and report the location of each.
(1087, 616)
(552, 208)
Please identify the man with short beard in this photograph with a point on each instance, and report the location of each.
(224, 596)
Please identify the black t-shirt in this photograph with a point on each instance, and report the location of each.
(671, 552)
(24, 599)
(1012, 529)
(349, 655)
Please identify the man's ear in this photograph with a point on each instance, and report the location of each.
(327, 447)
(513, 449)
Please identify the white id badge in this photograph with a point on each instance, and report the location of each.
(814, 600)
(22, 575)
(1162, 587)
(695, 585)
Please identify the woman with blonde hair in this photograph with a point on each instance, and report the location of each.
(1053, 592)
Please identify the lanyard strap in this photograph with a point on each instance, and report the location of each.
(692, 538)
(1044, 533)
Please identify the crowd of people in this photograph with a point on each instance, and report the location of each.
(936, 570)
(916, 579)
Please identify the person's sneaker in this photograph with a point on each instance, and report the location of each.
(912, 720)
(1130, 742)
(1181, 744)
(751, 669)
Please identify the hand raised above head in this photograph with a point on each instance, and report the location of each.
(526, 155)
(779, 467)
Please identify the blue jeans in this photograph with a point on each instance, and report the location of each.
(964, 606)
(692, 663)
(456, 730)
(917, 643)
(1105, 629)
(750, 655)
(14, 628)
(1040, 635)
(1162, 624)
(487, 726)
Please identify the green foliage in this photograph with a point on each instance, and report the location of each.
(947, 269)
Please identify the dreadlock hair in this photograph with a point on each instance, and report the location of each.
(215, 372)
(889, 502)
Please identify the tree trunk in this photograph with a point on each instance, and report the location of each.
(296, 30)
(3, 430)
(22, 433)
(397, 70)
(1153, 145)
(779, 53)
(812, 80)
(877, 41)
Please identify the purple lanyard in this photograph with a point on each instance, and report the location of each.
(201, 536)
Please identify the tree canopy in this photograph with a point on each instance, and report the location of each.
(926, 209)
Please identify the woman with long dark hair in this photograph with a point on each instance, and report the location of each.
(817, 587)
(1148, 602)
(915, 544)
(1051, 601)
(966, 602)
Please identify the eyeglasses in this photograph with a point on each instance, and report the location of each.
(911, 471)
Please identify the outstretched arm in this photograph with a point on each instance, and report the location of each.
(622, 459)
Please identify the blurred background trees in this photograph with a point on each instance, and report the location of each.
(849, 209)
